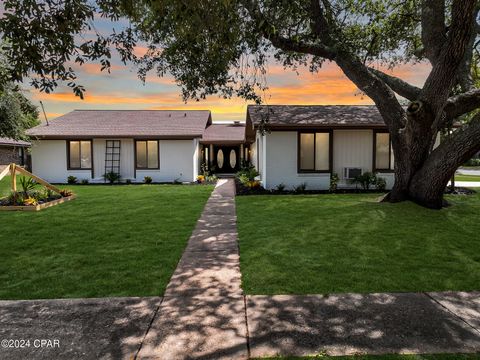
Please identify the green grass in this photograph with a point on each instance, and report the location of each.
(350, 243)
(110, 241)
(467, 178)
(388, 357)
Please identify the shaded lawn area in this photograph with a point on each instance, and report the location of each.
(336, 243)
(467, 178)
(110, 241)
(389, 357)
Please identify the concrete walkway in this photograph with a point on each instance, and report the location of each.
(204, 314)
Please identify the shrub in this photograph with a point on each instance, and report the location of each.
(380, 183)
(200, 179)
(49, 193)
(128, 181)
(37, 195)
(147, 180)
(280, 187)
(15, 198)
(72, 180)
(84, 182)
(211, 179)
(27, 184)
(66, 192)
(247, 174)
(204, 169)
(301, 188)
(112, 177)
(334, 182)
(473, 162)
(365, 180)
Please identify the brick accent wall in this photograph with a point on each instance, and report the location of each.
(9, 154)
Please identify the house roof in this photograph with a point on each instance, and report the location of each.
(12, 142)
(126, 123)
(221, 133)
(366, 116)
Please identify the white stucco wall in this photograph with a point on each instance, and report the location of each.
(49, 161)
(127, 158)
(178, 160)
(278, 159)
(281, 163)
(352, 148)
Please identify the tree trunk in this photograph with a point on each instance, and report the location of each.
(423, 176)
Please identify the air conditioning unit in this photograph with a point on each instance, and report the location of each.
(350, 173)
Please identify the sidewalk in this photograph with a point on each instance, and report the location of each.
(205, 315)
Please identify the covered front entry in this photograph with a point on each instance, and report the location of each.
(226, 159)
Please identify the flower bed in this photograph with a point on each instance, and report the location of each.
(34, 193)
(37, 207)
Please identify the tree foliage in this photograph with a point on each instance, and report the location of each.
(17, 113)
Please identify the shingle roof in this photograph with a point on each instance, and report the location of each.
(12, 142)
(317, 115)
(224, 133)
(124, 123)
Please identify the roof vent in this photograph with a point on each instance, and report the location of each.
(185, 115)
(236, 122)
(170, 115)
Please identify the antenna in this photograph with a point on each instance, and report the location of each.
(41, 103)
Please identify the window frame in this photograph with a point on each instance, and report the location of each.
(330, 151)
(69, 167)
(158, 154)
(374, 160)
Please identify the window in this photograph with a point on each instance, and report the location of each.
(147, 154)
(314, 152)
(80, 154)
(383, 151)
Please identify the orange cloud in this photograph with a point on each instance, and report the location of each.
(328, 86)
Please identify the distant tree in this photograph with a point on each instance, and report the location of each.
(17, 113)
(222, 47)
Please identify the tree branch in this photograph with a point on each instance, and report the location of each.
(462, 104)
(383, 96)
(398, 85)
(433, 28)
(286, 44)
(319, 22)
(445, 69)
(465, 78)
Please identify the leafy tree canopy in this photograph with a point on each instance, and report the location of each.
(209, 46)
(17, 113)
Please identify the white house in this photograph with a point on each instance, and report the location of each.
(89, 143)
(307, 144)
(302, 144)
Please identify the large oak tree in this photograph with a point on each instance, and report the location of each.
(223, 46)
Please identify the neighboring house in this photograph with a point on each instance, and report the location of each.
(13, 151)
(303, 144)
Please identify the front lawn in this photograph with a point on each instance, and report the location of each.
(332, 243)
(110, 241)
(467, 178)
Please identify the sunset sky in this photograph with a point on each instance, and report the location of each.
(121, 89)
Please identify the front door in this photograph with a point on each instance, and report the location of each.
(226, 159)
